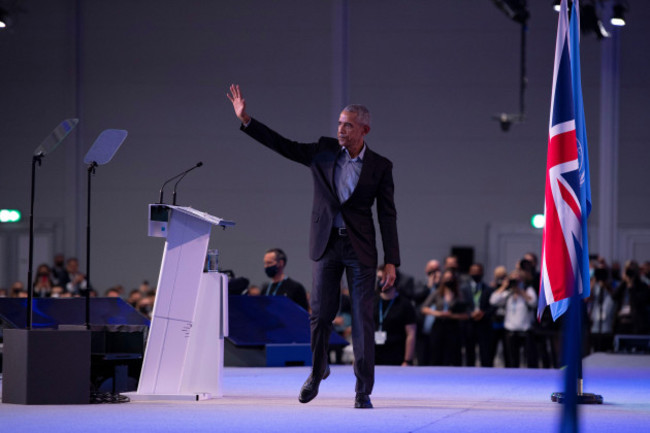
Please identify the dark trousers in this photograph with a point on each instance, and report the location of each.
(327, 272)
(514, 341)
(479, 332)
(446, 342)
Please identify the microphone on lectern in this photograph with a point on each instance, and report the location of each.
(181, 175)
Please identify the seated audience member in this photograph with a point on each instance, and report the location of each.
(394, 327)
(77, 283)
(520, 304)
(236, 285)
(16, 288)
(145, 305)
(424, 321)
(448, 308)
(145, 288)
(134, 296)
(4, 293)
(479, 329)
(275, 261)
(632, 298)
(43, 281)
(253, 290)
(112, 293)
(59, 274)
(57, 292)
(602, 309)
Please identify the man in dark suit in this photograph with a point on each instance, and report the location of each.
(348, 178)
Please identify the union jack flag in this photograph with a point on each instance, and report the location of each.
(565, 257)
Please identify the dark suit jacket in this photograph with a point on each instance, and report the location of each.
(375, 183)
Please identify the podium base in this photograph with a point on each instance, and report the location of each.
(586, 398)
(199, 396)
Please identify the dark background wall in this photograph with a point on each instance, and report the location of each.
(432, 73)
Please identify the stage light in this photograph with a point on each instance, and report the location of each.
(538, 221)
(617, 18)
(5, 19)
(9, 216)
(556, 5)
(590, 21)
(516, 10)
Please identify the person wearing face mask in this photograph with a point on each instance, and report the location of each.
(448, 306)
(394, 326)
(275, 260)
(632, 299)
(480, 323)
(520, 301)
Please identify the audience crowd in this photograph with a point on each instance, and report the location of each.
(452, 317)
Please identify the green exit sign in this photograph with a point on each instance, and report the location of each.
(9, 216)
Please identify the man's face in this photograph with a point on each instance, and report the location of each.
(72, 266)
(350, 131)
(451, 263)
(476, 272)
(270, 260)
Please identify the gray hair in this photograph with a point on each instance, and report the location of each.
(362, 112)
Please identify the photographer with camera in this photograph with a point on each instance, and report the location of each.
(601, 309)
(520, 301)
(632, 299)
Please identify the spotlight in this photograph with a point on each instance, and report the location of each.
(507, 120)
(590, 22)
(617, 18)
(556, 5)
(5, 19)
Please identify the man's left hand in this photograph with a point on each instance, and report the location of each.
(389, 276)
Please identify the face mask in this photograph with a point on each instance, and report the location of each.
(271, 271)
(477, 278)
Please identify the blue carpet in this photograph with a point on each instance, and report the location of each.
(414, 399)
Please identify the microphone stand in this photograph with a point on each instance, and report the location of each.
(181, 175)
(176, 184)
(91, 171)
(30, 290)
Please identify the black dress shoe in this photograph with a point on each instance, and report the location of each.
(362, 401)
(309, 389)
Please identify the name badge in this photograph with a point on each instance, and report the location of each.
(380, 337)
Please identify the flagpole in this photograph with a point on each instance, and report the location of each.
(574, 387)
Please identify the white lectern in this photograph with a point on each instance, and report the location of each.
(183, 359)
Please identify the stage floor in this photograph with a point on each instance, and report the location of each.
(414, 399)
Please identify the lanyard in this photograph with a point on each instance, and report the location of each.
(275, 292)
(382, 316)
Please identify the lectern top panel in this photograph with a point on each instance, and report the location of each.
(156, 209)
